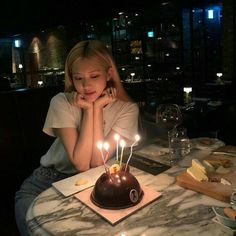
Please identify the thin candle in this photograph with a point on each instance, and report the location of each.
(137, 138)
(99, 146)
(117, 137)
(122, 144)
(106, 147)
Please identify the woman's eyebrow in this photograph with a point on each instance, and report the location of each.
(92, 71)
(97, 70)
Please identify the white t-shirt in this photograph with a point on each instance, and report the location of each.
(120, 116)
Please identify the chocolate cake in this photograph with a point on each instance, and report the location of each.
(116, 189)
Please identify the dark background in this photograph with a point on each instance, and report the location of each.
(24, 16)
(19, 17)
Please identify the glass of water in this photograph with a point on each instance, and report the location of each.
(233, 199)
(179, 144)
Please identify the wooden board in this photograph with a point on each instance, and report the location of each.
(227, 148)
(215, 190)
(212, 189)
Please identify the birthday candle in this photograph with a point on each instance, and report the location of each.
(117, 137)
(137, 138)
(122, 144)
(100, 145)
(106, 147)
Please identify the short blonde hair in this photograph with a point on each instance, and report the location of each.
(91, 49)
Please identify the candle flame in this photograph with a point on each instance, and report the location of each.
(137, 137)
(99, 145)
(106, 146)
(122, 143)
(116, 137)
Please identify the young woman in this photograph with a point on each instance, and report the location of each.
(94, 107)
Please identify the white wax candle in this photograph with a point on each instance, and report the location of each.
(117, 137)
(122, 144)
(100, 145)
(137, 138)
(106, 147)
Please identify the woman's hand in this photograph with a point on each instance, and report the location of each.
(78, 100)
(107, 96)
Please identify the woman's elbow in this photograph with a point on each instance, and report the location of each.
(83, 168)
(96, 164)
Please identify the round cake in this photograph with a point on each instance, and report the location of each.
(116, 189)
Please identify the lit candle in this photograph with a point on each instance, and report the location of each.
(106, 147)
(122, 144)
(99, 146)
(137, 138)
(117, 137)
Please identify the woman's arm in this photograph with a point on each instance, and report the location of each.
(78, 143)
(107, 97)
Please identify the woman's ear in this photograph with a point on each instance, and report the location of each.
(110, 73)
(109, 77)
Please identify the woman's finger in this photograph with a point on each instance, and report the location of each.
(113, 92)
(108, 91)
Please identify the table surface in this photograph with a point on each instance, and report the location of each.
(177, 212)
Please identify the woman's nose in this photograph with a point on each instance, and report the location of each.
(86, 83)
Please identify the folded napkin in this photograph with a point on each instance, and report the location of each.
(147, 165)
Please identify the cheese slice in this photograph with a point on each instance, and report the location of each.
(225, 181)
(197, 173)
(198, 165)
(208, 166)
(222, 170)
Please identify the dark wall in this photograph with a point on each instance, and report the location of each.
(5, 57)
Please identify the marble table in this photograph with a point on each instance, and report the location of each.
(177, 212)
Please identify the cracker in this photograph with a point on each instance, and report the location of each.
(80, 182)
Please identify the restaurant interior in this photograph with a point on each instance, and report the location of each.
(180, 52)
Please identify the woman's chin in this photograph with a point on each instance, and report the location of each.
(90, 98)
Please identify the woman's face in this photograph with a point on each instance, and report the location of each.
(89, 78)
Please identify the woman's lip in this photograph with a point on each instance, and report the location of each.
(89, 93)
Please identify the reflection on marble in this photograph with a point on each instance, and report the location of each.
(177, 212)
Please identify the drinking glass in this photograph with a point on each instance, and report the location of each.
(169, 115)
(233, 199)
(179, 144)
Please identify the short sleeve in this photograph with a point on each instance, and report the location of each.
(127, 122)
(61, 114)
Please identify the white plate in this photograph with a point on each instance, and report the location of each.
(205, 143)
(214, 103)
(223, 219)
(85, 179)
(229, 231)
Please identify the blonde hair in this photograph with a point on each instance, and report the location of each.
(94, 49)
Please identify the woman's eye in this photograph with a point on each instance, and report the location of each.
(77, 78)
(94, 76)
